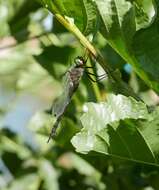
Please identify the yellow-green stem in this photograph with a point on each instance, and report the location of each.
(72, 28)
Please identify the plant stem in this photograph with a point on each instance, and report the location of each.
(72, 28)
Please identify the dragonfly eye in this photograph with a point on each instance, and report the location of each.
(79, 61)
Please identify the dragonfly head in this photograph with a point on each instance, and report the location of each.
(79, 61)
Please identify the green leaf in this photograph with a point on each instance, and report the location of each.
(83, 12)
(8, 10)
(118, 23)
(70, 161)
(150, 131)
(20, 20)
(51, 59)
(145, 46)
(66, 131)
(144, 12)
(121, 127)
(51, 180)
(119, 20)
(33, 77)
(41, 124)
(31, 181)
(9, 145)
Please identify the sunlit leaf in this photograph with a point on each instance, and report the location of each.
(31, 181)
(110, 128)
(118, 26)
(83, 12)
(51, 180)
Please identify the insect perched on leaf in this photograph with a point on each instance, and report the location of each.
(70, 85)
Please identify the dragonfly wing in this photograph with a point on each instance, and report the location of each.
(64, 99)
(61, 103)
(70, 84)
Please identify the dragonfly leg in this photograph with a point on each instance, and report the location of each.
(98, 77)
(87, 67)
(90, 78)
(94, 80)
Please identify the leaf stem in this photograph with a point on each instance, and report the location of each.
(72, 28)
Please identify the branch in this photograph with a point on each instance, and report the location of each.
(23, 41)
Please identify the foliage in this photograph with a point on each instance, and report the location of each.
(108, 137)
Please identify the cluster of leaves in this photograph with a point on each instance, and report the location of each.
(39, 52)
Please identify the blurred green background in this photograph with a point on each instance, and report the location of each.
(35, 51)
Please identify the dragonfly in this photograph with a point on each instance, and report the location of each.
(71, 82)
